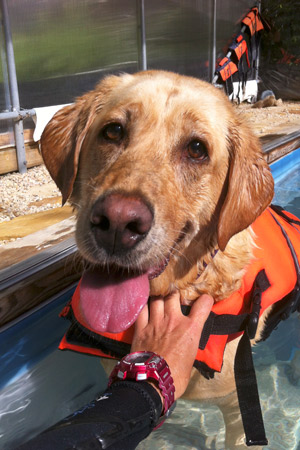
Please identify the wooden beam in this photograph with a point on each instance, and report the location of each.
(30, 223)
(8, 158)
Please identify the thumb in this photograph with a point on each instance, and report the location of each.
(201, 308)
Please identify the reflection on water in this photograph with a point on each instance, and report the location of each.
(277, 361)
(287, 192)
(46, 393)
(191, 426)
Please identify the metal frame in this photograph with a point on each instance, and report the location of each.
(213, 39)
(13, 110)
(12, 92)
(141, 35)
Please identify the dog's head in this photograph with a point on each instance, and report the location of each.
(156, 164)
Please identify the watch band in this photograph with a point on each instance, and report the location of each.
(166, 384)
(140, 366)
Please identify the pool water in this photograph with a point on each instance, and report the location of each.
(40, 385)
(287, 192)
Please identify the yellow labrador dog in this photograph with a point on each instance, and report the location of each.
(162, 172)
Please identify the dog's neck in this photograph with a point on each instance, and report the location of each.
(204, 263)
(213, 272)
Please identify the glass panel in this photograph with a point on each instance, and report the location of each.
(229, 15)
(62, 48)
(178, 36)
(280, 49)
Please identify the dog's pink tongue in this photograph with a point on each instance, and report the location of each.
(111, 302)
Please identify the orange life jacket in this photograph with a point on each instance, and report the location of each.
(253, 21)
(273, 260)
(245, 43)
(226, 68)
(239, 47)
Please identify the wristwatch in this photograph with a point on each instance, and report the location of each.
(141, 366)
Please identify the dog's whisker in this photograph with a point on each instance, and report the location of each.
(78, 206)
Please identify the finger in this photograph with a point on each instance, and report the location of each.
(201, 308)
(172, 303)
(142, 319)
(156, 309)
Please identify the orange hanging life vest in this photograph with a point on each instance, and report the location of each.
(226, 68)
(273, 272)
(253, 21)
(239, 47)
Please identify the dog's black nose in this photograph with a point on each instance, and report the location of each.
(119, 221)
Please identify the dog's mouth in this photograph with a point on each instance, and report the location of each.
(111, 299)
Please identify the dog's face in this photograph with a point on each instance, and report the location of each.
(161, 171)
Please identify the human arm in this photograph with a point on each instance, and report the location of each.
(128, 411)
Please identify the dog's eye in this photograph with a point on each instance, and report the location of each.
(197, 150)
(113, 132)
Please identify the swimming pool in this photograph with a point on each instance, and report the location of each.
(39, 384)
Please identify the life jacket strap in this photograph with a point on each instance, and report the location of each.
(246, 385)
(244, 372)
(80, 339)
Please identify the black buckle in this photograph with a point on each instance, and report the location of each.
(254, 315)
(261, 284)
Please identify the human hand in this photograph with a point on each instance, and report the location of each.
(162, 328)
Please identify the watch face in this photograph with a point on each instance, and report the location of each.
(138, 358)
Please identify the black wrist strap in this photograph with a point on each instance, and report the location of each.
(148, 392)
(119, 419)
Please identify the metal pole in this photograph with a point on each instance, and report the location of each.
(8, 106)
(14, 93)
(214, 39)
(141, 35)
(17, 115)
(258, 50)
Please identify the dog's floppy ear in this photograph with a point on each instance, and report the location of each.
(61, 142)
(250, 185)
(62, 138)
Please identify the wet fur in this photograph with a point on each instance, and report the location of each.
(197, 206)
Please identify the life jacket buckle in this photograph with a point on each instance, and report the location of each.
(252, 323)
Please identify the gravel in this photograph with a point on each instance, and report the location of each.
(272, 119)
(27, 194)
